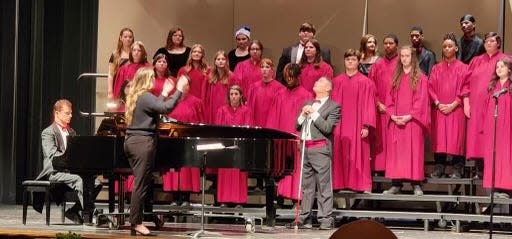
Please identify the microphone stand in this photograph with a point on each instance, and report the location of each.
(493, 168)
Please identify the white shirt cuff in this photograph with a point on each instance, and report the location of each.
(315, 115)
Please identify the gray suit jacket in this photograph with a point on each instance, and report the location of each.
(323, 126)
(53, 145)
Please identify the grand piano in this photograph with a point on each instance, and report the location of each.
(264, 153)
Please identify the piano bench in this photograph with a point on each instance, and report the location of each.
(45, 187)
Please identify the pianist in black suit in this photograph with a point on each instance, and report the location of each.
(54, 142)
(143, 110)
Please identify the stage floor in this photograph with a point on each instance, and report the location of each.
(11, 227)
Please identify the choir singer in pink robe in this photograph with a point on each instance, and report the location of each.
(196, 69)
(407, 105)
(351, 168)
(448, 91)
(500, 82)
(381, 74)
(217, 86)
(313, 66)
(138, 58)
(261, 95)
(231, 182)
(283, 113)
(481, 69)
(248, 71)
(184, 180)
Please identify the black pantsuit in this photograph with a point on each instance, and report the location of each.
(140, 150)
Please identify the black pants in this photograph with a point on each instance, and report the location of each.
(140, 151)
(458, 161)
(400, 182)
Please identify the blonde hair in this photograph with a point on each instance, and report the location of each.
(202, 65)
(142, 82)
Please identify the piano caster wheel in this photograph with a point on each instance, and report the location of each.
(159, 221)
(442, 223)
(249, 225)
(113, 223)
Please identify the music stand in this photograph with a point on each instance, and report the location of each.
(205, 148)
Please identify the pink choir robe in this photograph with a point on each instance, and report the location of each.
(284, 112)
(197, 79)
(381, 74)
(215, 96)
(351, 164)
(231, 182)
(188, 110)
(261, 96)
(481, 69)
(158, 85)
(309, 75)
(247, 72)
(503, 173)
(446, 84)
(126, 73)
(406, 152)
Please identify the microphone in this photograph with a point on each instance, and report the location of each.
(499, 93)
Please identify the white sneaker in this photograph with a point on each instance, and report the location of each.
(392, 190)
(417, 190)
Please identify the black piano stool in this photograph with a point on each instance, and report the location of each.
(46, 187)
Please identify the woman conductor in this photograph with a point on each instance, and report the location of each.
(142, 113)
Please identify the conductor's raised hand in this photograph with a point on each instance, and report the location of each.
(168, 87)
(182, 83)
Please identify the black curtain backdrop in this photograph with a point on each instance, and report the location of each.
(56, 43)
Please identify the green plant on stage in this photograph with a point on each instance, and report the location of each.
(69, 235)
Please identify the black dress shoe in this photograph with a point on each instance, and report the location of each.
(74, 216)
(300, 225)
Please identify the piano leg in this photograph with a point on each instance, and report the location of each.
(121, 199)
(88, 191)
(270, 192)
(111, 193)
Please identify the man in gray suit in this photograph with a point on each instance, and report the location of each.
(294, 53)
(54, 143)
(316, 122)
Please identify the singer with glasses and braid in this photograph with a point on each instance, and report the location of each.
(480, 68)
(499, 91)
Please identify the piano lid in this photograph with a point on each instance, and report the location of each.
(181, 129)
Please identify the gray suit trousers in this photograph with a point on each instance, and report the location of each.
(316, 174)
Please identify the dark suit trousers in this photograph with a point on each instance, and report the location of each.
(140, 151)
(316, 176)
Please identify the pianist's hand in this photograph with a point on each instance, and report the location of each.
(168, 87)
(182, 83)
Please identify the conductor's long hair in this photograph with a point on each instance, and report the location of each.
(142, 82)
(399, 70)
